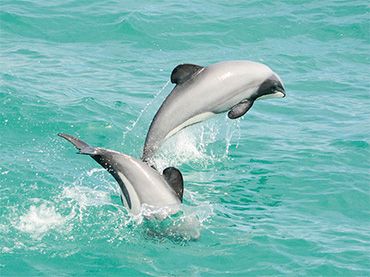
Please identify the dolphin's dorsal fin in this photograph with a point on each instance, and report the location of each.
(184, 72)
(174, 178)
(240, 109)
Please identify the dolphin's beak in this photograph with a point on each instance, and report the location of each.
(279, 92)
(271, 88)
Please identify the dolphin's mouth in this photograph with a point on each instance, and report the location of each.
(275, 93)
(279, 92)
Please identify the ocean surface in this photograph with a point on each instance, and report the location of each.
(283, 191)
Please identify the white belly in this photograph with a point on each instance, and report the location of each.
(190, 121)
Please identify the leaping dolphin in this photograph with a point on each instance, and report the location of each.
(202, 92)
(140, 184)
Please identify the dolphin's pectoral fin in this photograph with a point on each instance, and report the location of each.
(174, 178)
(184, 72)
(240, 109)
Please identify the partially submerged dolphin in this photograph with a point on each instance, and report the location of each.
(202, 92)
(140, 184)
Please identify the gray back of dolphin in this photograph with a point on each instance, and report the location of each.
(202, 92)
(140, 184)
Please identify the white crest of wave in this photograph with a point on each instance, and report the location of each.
(38, 220)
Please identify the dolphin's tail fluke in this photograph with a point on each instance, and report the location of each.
(101, 156)
(83, 147)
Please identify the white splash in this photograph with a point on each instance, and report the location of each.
(181, 222)
(86, 196)
(232, 128)
(190, 225)
(38, 220)
(134, 123)
(186, 147)
(94, 170)
(192, 144)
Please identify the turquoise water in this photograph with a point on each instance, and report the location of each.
(283, 191)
